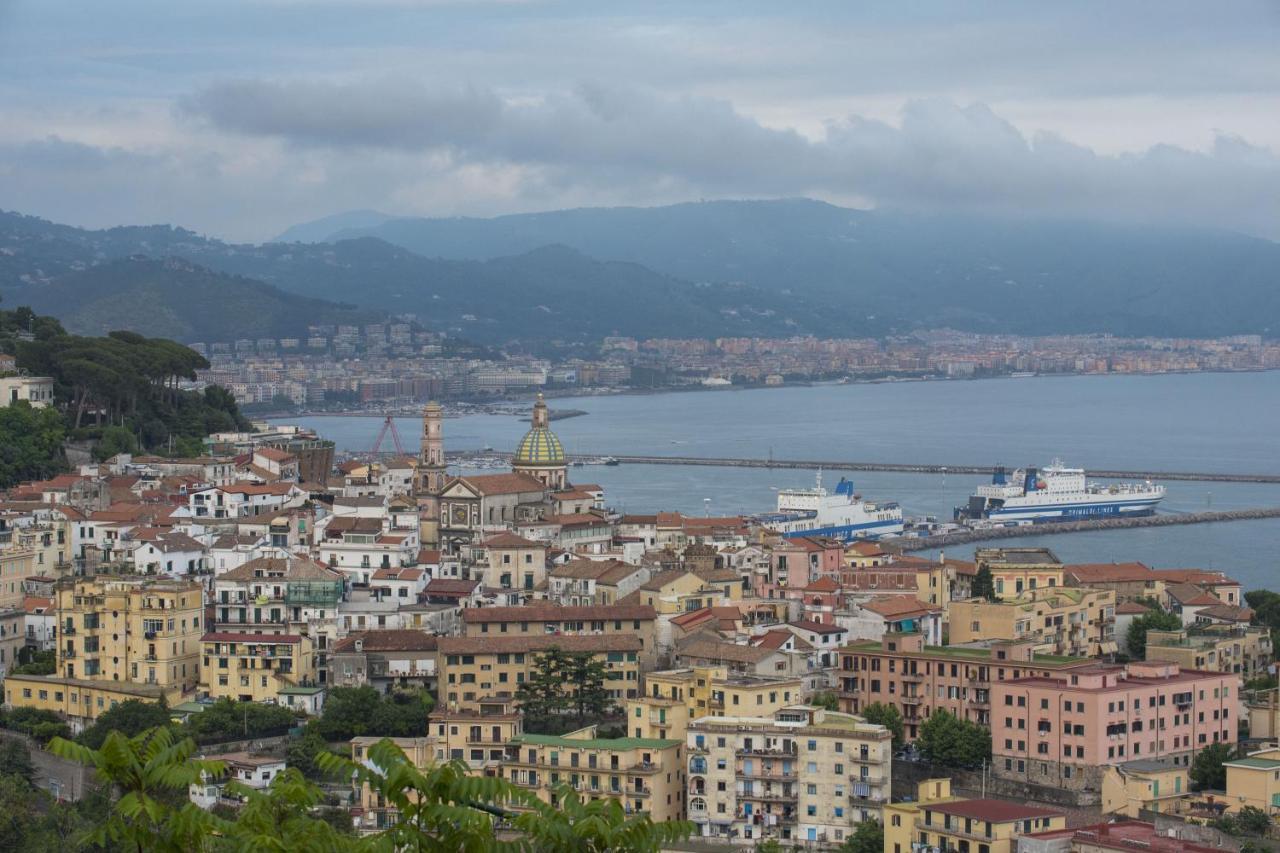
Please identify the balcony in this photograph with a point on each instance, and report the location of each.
(771, 796)
(913, 700)
(867, 780)
(756, 750)
(913, 677)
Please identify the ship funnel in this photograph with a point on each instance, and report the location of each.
(1029, 484)
(845, 487)
(997, 476)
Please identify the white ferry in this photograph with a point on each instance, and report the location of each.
(840, 514)
(1056, 493)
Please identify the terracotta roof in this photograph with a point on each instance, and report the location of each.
(555, 613)
(510, 540)
(278, 489)
(397, 574)
(35, 604)
(503, 484)
(826, 583)
(1126, 608)
(394, 640)
(572, 495)
(429, 556)
(274, 454)
(1112, 572)
(719, 575)
(661, 579)
(1201, 577)
(452, 587)
(1227, 613)
(707, 648)
(638, 519)
(582, 569)
(540, 643)
(776, 638)
(352, 524)
(619, 571)
(1191, 595)
(866, 549)
(995, 811)
(897, 606)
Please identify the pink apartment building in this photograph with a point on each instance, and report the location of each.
(1063, 729)
(795, 563)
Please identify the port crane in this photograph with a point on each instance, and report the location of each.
(388, 427)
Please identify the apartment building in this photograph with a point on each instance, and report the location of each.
(918, 679)
(646, 775)
(1254, 781)
(1056, 620)
(538, 620)
(982, 826)
(474, 669)
(672, 698)
(584, 582)
(477, 737)
(1145, 785)
(1064, 729)
(802, 773)
(1241, 649)
(255, 667)
(900, 818)
(376, 814)
(385, 660)
(508, 561)
(1018, 570)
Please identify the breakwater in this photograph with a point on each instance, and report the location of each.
(964, 537)
(914, 468)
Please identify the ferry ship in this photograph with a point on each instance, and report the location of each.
(1056, 493)
(841, 514)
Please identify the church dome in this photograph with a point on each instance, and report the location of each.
(539, 447)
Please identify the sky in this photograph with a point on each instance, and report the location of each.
(238, 119)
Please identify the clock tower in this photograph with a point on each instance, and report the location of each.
(432, 471)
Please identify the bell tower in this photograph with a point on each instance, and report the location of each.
(432, 470)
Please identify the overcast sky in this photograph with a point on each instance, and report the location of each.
(239, 119)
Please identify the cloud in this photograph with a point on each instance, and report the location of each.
(938, 155)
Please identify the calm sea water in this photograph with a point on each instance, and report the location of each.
(1192, 422)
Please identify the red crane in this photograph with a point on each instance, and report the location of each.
(388, 425)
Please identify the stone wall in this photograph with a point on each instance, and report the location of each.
(969, 783)
(61, 777)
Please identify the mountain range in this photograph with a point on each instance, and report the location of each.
(703, 269)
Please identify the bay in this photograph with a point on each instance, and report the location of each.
(1220, 423)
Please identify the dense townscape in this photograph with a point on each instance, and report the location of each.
(396, 363)
(707, 674)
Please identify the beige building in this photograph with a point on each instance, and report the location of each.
(1059, 621)
(376, 814)
(1244, 650)
(1018, 570)
(803, 774)
(513, 562)
(675, 697)
(1254, 781)
(474, 669)
(478, 737)
(900, 818)
(79, 700)
(983, 826)
(544, 620)
(1138, 786)
(645, 775)
(255, 667)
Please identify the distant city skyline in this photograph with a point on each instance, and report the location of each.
(241, 119)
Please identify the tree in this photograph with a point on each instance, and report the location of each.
(352, 711)
(888, 716)
(1252, 820)
(130, 718)
(952, 742)
(868, 837)
(226, 720)
(596, 826)
(984, 586)
(152, 772)
(15, 760)
(560, 684)
(115, 439)
(30, 443)
(586, 676)
(1157, 620)
(1207, 772)
(39, 663)
(826, 699)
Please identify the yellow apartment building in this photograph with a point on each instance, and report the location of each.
(474, 669)
(130, 629)
(376, 813)
(1018, 570)
(78, 699)
(1153, 786)
(982, 826)
(1254, 781)
(476, 737)
(674, 697)
(543, 620)
(255, 667)
(1059, 621)
(900, 818)
(668, 592)
(646, 775)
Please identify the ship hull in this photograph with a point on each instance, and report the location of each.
(850, 532)
(1074, 511)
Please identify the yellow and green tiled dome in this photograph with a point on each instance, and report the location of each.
(539, 447)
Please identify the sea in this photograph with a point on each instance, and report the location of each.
(1202, 422)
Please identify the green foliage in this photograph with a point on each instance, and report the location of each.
(1250, 820)
(114, 439)
(888, 716)
(1156, 620)
(226, 720)
(984, 586)
(1207, 772)
(302, 753)
(868, 837)
(352, 711)
(130, 718)
(38, 663)
(947, 740)
(563, 686)
(1261, 682)
(826, 699)
(15, 760)
(152, 772)
(30, 443)
(130, 382)
(39, 724)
